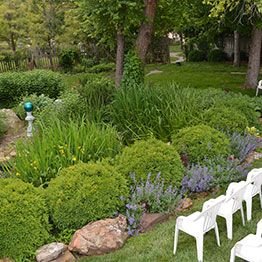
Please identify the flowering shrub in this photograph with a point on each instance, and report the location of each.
(148, 196)
(198, 179)
(242, 145)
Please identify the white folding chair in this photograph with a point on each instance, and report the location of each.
(254, 178)
(199, 223)
(233, 203)
(259, 86)
(250, 247)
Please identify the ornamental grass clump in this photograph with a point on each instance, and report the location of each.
(83, 193)
(151, 156)
(149, 196)
(24, 224)
(200, 142)
(60, 145)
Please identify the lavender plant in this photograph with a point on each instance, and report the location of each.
(242, 145)
(148, 196)
(197, 179)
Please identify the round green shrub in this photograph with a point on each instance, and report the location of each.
(225, 119)
(196, 56)
(216, 55)
(84, 193)
(200, 142)
(151, 156)
(23, 219)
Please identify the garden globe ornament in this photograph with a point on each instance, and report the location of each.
(28, 106)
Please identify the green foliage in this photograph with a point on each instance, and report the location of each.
(2, 125)
(18, 84)
(216, 55)
(133, 75)
(40, 103)
(151, 156)
(61, 144)
(68, 58)
(104, 67)
(85, 193)
(140, 112)
(196, 56)
(97, 91)
(200, 142)
(225, 119)
(23, 219)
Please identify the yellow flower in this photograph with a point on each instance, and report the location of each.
(17, 174)
(74, 158)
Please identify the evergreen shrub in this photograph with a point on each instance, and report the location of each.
(201, 142)
(85, 193)
(24, 225)
(196, 56)
(151, 156)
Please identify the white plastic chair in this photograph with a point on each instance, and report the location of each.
(199, 223)
(259, 86)
(233, 203)
(254, 178)
(250, 247)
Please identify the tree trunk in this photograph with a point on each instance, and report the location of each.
(50, 54)
(236, 49)
(146, 29)
(254, 58)
(119, 58)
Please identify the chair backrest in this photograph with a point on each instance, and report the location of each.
(255, 178)
(209, 212)
(235, 192)
(259, 84)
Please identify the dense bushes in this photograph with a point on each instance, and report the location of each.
(201, 142)
(68, 58)
(196, 56)
(23, 219)
(216, 55)
(17, 84)
(151, 156)
(225, 119)
(84, 193)
(60, 145)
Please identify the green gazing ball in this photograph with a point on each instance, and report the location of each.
(28, 106)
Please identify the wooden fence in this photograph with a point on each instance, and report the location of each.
(23, 65)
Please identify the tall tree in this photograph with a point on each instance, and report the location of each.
(252, 9)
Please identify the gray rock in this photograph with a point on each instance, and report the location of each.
(50, 252)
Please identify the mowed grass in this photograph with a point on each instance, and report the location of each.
(157, 245)
(200, 75)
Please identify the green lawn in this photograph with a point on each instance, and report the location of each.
(157, 245)
(201, 75)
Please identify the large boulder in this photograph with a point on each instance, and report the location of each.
(100, 237)
(13, 123)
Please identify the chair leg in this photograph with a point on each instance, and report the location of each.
(217, 235)
(229, 223)
(200, 242)
(242, 214)
(260, 195)
(257, 92)
(232, 255)
(176, 239)
(249, 208)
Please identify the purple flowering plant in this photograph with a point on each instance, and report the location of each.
(149, 196)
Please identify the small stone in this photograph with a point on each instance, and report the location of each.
(184, 204)
(50, 252)
(66, 256)
(149, 220)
